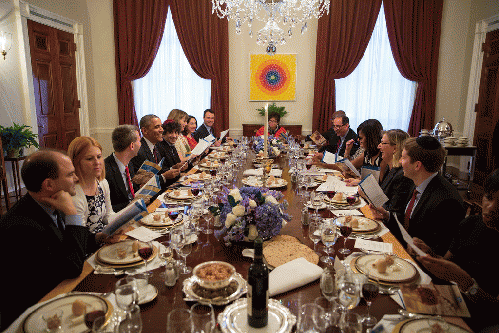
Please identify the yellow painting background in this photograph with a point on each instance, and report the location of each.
(258, 92)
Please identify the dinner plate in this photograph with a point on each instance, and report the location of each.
(365, 225)
(163, 222)
(425, 325)
(219, 155)
(106, 255)
(242, 288)
(234, 318)
(209, 164)
(322, 206)
(34, 322)
(256, 181)
(181, 194)
(400, 271)
(344, 201)
(151, 292)
(196, 177)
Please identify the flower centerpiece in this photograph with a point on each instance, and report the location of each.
(274, 146)
(249, 212)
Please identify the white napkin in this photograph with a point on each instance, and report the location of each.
(333, 183)
(292, 275)
(388, 323)
(259, 172)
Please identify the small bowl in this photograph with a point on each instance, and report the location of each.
(53, 319)
(214, 283)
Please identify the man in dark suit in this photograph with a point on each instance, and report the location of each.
(42, 240)
(337, 143)
(206, 127)
(434, 208)
(126, 144)
(152, 133)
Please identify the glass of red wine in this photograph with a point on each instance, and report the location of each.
(345, 230)
(145, 252)
(351, 199)
(173, 214)
(95, 320)
(370, 291)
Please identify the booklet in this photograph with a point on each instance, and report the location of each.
(350, 166)
(151, 166)
(373, 191)
(330, 158)
(318, 139)
(435, 299)
(150, 189)
(210, 138)
(200, 147)
(223, 134)
(367, 170)
(408, 238)
(134, 209)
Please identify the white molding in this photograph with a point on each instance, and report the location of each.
(25, 11)
(481, 29)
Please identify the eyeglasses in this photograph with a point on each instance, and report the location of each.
(338, 126)
(384, 143)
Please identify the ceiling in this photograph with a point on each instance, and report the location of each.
(5, 7)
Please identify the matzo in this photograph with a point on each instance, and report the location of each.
(287, 248)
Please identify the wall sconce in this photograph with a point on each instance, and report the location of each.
(5, 42)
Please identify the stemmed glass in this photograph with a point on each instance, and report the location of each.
(145, 252)
(179, 321)
(202, 318)
(311, 319)
(328, 236)
(349, 294)
(126, 295)
(370, 291)
(176, 242)
(184, 252)
(317, 200)
(133, 322)
(314, 233)
(345, 230)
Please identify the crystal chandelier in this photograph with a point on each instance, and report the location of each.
(290, 12)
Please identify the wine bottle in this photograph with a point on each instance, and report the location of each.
(258, 289)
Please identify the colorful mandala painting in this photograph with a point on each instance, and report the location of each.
(273, 78)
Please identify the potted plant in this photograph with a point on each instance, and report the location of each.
(16, 137)
(273, 108)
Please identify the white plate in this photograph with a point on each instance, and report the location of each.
(234, 318)
(180, 194)
(109, 253)
(150, 293)
(209, 164)
(34, 322)
(400, 271)
(322, 206)
(255, 181)
(164, 221)
(242, 288)
(365, 224)
(424, 325)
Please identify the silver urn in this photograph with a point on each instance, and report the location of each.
(442, 129)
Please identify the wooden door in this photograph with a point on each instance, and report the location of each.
(487, 118)
(54, 79)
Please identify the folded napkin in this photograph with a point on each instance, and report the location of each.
(334, 184)
(259, 172)
(292, 275)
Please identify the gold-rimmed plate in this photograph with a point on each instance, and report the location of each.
(363, 225)
(427, 325)
(34, 322)
(109, 254)
(190, 292)
(181, 194)
(256, 181)
(401, 271)
(160, 220)
(209, 164)
(342, 202)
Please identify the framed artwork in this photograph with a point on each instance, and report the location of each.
(272, 78)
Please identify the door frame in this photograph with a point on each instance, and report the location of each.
(24, 11)
(481, 29)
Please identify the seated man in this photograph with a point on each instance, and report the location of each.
(470, 259)
(171, 130)
(206, 128)
(41, 238)
(126, 144)
(152, 133)
(435, 205)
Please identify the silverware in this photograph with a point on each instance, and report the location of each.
(412, 315)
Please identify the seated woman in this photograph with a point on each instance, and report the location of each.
(395, 185)
(471, 259)
(181, 144)
(274, 128)
(190, 128)
(92, 199)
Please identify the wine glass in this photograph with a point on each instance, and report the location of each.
(349, 295)
(311, 319)
(317, 200)
(126, 294)
(179, 321)
(176, 242)
(331, 314)
(314, 233)
(132, 323)
(203, 318)
(370, 291)
(145, 252)
(99, 325)
(195, 189)
(90, 319)
(345, 230)
(328, 237)
(184, 252)
(166, 251)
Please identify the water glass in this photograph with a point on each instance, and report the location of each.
(203, 318)
(179, 321)
(132, 323)
(311, 319)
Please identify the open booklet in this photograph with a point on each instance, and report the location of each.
(318, 139)
(330, 158)
(134, 211)
(150, 189)
(373, 191)
(435, 299)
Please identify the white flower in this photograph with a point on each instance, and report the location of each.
(252, 203)
(276, 151)
(236, 194)
(230, 220)
(238, 210)
(252, 232)
(270, 199)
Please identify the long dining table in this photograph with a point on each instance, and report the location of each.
(208, 247)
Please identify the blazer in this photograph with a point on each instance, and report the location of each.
(333, 144)
(171, 158)
(436, 216)
(117, 187)
(201, 132)
(397, 188)
(38, 256)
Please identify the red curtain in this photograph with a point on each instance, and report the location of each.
(138, 29)
(205, 41)
(342, 38)
(414, 33)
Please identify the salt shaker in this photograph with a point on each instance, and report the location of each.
(171, 274)
(305, 218)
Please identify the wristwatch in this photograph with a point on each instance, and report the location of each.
(473, 290)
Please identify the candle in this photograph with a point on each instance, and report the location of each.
(266, 131)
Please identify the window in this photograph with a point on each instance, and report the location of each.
(376, 89)
(171, 83)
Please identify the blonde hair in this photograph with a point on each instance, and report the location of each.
(177, 114)
(397, 138)
(76, 151)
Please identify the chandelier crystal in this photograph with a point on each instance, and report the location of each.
(291, 13)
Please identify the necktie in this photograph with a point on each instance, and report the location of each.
(409, 209)
(130, 185)
(338, 146)
(156, 155)
(59, 221)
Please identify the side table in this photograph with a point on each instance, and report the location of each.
(16, 172)
(463, 151)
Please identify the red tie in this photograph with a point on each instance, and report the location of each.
(408, 211)
(130, 185)
(156, 155)
(338, 147)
